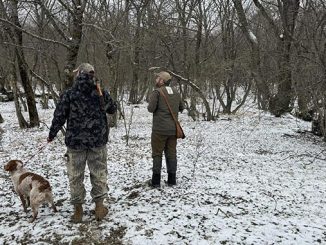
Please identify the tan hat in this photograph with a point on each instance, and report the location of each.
(84, 68)
(164, 75)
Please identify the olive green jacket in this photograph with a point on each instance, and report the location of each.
(163, 122)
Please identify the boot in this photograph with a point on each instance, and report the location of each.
(172, 179)
(77, 217)
(156, 180)
(100, 210)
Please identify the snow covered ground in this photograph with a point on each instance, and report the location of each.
(249, 178)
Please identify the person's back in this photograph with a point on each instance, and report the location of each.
(163, 122)
(87, 123)
(84, 108)
(85, 114)
(163, 136)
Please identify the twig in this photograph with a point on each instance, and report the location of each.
(225, 213)
(269, 194)
(33, 35)
(127, 127)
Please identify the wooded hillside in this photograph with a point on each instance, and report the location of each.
(218, 50)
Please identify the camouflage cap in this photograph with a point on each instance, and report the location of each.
(165, 76)
(84, 68)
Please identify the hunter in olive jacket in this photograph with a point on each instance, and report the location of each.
(163, 122)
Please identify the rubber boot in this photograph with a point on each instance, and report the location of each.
(100, 210)
(172, 179)
(171, 165)
(156, 180)
(77, 217)
(157, 165)
(156, 177)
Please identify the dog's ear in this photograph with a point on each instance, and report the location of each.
(22, 164)
(11, 166)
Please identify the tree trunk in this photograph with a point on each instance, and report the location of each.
(199, 33)
(17, 37)
(112, 55)
(21, 120)
(133, 97)
(280, 103)
(138, 43)
(229, 55)
(2, 84)
(255, 62)
(288, 9)
(74, 43)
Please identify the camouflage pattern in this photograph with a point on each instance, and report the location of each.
(85, 113)
(97, 165)
(163, 122)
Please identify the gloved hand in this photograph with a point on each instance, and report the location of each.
(112, 107)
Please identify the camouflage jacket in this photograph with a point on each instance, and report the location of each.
(163, 122)
(85, 113)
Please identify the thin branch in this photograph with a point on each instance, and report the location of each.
(193, 86)
(225, 213)
(66, 7)
(52, 20)
(32, 34)
(267, 17)
(47, 84)
(20, 46)
(99, 28)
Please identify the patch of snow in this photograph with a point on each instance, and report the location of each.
(250, 179)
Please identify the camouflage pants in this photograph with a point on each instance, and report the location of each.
(96, 159)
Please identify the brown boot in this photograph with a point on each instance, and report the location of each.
(100, 210)
(77, 217)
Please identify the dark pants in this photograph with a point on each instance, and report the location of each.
(168, 145)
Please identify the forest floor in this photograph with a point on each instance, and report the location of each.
(248, 178)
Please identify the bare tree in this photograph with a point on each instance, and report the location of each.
(275, 49)
(288, 11)
(140, 8)
(263, 93)
(310, 73)
(16, 35)
(75, 11)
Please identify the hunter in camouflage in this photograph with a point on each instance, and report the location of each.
(84, 108)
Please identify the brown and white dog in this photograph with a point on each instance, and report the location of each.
(32, 188)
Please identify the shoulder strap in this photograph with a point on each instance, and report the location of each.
(167, 103)
(98, 88)
(99, 91)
